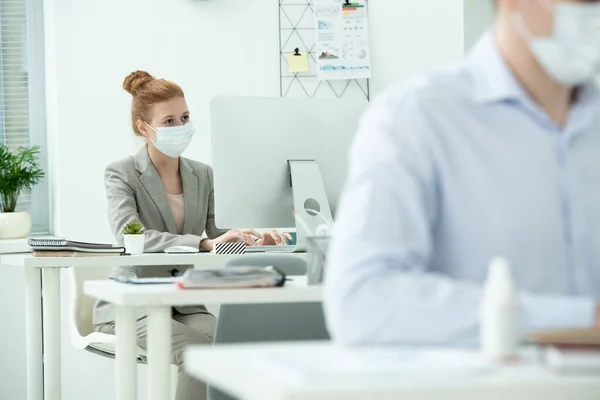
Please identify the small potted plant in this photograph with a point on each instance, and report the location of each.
(19, 173)
(133, 236)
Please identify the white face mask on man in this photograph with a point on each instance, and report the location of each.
(571, 54)
(172, 140)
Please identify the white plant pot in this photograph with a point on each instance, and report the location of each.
(134, 244)
(14, 225)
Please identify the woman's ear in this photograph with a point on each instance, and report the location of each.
(142, 128)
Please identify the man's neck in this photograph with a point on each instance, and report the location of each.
(554, 98)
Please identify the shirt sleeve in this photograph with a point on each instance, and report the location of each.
(378, 287)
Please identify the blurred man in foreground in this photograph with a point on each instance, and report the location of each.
(498, 156)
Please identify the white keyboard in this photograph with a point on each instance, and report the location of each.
(270, 249)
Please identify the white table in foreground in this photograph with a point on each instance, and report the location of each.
(157, 295)
(241, 371)
(158, 299)
(42, 291)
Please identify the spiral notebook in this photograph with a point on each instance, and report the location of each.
(70, 245)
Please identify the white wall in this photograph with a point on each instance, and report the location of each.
(408, 36)
(209, 47)
(478, 16)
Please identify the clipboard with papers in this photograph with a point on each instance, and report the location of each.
(231, 277)
(216, 278)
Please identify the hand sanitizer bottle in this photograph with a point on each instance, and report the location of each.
(500, 314)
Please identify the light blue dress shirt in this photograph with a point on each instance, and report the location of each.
(447, 172)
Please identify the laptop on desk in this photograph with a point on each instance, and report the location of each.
(291, 247)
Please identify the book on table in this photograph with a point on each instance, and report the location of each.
(70, 248)
(586, 337)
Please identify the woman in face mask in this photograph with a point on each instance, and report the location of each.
(173, 198)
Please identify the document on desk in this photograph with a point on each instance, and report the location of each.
(134, 280)
(339, 362)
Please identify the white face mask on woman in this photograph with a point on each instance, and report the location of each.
(173, 140)
(571, 54)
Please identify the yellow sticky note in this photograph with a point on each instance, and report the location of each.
(298, 62)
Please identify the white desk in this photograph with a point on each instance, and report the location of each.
(241, 371)
(13, 246)
(159, 299)
(43, 368)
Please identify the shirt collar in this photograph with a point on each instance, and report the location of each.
(495, 81)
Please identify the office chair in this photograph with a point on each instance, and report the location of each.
(81, 329)
(245, 323)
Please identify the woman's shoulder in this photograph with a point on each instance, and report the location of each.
(198, 167)
(124, 170)
(123, 165)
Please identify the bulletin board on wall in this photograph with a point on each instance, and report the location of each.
(297, 30)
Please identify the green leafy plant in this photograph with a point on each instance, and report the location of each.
(19, 172)
(133, 228)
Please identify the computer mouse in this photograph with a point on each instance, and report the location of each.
(181, 249)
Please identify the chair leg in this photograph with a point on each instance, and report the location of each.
(174, 379)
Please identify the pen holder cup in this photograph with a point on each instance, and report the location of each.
(316, 255)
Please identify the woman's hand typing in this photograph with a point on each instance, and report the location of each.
(274, 238)
(249, 236)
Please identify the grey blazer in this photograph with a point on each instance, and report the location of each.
(135, 192)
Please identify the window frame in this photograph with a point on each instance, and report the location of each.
(36, 82)
(36, 60)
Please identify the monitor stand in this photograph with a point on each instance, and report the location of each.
(309, 194)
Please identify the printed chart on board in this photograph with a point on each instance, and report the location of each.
(342, 39)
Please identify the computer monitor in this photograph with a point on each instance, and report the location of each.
(274, 156)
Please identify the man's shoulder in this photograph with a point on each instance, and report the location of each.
(417, 113)
(434, 89)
